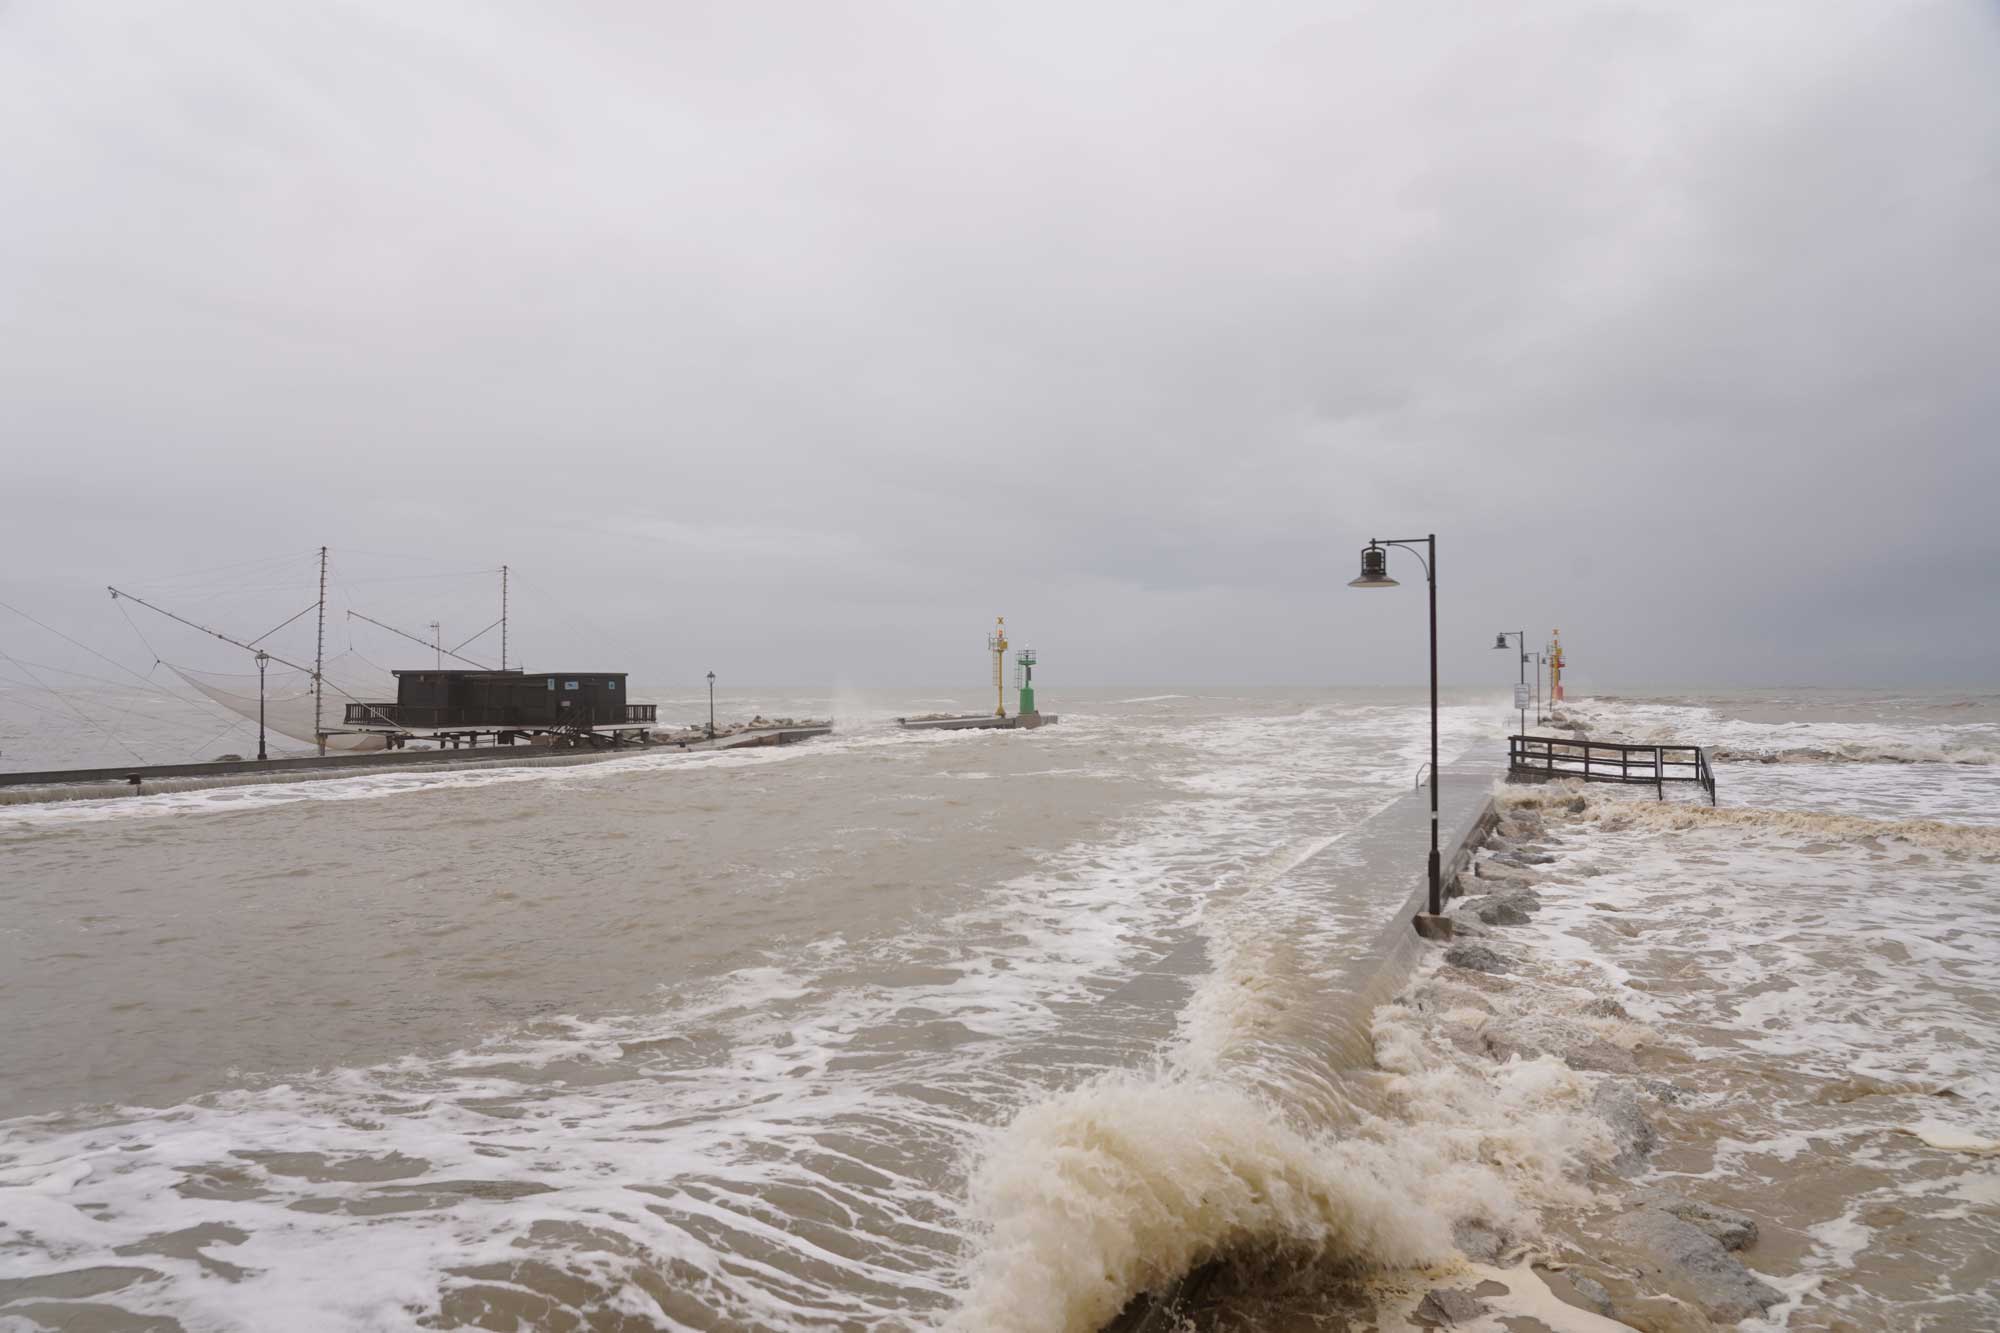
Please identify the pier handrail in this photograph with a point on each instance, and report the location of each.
(1541, 758)
(437, 715)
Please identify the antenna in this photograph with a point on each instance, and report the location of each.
(437, 642)
(503, 617)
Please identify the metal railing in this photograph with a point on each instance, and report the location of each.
(1542, 758)
(432, 715)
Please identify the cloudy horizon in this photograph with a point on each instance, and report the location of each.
(797, 342)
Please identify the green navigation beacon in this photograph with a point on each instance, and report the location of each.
(1024, 676)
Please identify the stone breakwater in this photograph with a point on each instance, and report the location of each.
(1778, 1025)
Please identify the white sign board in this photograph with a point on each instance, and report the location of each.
(1522, 696)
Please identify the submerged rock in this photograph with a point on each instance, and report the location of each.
(1523, 857)
(1695, 1265)
(1673, 1094)
(1450, 1306)
(1495, 1044)
(1602, 1057)
(1512, 908)
(1727, 1227)
(1500, 870)
(1476, 958)
(1478, 1242)
(1618, 1105)
(1592, 1293)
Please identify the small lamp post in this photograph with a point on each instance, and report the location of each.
(711, 705)
(1521, 638)
(1375, 574)
(263, 660)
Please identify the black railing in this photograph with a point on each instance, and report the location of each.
(432, 715)
(1544, 757)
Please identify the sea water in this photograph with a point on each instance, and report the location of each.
(984, 1030)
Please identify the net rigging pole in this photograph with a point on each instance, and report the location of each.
(428, 643)
(213, 633)
(503, 617)
(319, 660)
(314, 671)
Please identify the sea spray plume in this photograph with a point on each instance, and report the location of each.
(1118, 1187)
(1501, 1139)
(1095, 1196)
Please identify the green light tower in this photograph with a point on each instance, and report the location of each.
(1024, 676)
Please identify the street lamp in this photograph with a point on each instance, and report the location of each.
(1520, 637)
(711, 705)
(263, 660)
(1375, 574)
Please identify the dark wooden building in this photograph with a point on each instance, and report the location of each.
(489, 700)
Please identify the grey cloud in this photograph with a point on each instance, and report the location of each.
(805, 338)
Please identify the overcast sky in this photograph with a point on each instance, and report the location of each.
(798, 340)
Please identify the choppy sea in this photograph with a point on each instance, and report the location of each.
(905, 1031)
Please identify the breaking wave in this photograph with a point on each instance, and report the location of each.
(1613, 813)
(1095, 1197)
(1120, 1187)
(1860, 753)
(1734, 740)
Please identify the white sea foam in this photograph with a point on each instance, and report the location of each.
(1831, 977)
(1734, 739)
(1023, 1114)
(776, 1149)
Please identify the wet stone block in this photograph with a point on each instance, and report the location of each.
(1477, 958)
(1449, 1307)
(1695, 1265)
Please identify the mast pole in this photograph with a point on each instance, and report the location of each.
(319, 660)
(503, 617)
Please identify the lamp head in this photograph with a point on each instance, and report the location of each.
(1500, 641)
(1374, 569)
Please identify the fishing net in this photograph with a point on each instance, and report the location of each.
(288, 697)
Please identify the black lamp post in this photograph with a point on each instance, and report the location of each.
(1521, 638)
(1375, 574)
(263, 660)
(711, 705)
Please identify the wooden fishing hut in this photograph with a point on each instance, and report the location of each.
(459, 707)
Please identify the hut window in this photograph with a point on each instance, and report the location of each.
(610, 684)
(552, 682)
(569, 684)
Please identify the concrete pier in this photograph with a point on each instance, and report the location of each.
(234, 771)
(977, 722)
